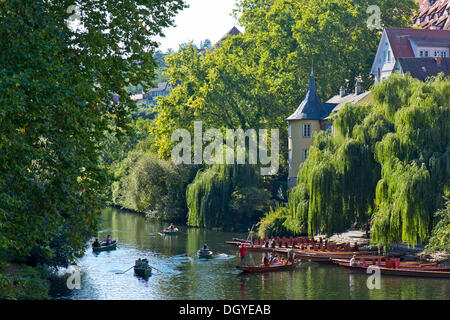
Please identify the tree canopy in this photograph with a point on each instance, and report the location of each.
(62, 85)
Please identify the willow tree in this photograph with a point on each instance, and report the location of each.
(211, 195)
(388, 162)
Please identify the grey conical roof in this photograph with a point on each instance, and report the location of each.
(311, 107)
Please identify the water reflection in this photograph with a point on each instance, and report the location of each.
(183, 275)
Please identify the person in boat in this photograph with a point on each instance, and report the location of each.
(265, 261)
(353, 261)
(270, 260)
(145, 263)
(276, 260)
(108, 240)
(171, 227)
(96, 244)
(291, 255)
(138, 263)
(205, 248)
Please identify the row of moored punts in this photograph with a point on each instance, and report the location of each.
(308, 251)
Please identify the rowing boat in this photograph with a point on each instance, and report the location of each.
(174, 231)
(431, 272)
(143, 272)
(271, 268)
(104, 247)
(205, 254)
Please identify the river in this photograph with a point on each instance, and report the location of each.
(182, 275)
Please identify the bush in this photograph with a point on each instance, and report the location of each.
(440, 236)
(146, 183)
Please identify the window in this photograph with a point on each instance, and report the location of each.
(307, 130)
(305, 154)
(426, 53)
(389, 56)
(290, 156)
(421, 53)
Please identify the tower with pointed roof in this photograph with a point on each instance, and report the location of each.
(307, 119)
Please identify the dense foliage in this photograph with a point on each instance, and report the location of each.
(57, 83)
(388, 161)
(145, 183)
(440, 237)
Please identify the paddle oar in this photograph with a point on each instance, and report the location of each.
(155, 268)
(125, 270)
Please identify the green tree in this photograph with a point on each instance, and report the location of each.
(388, 162)
(57, 89)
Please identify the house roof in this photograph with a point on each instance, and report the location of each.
(161, 86)
(422, 68)
(399, 39)
(311, 107)
(233, 32)
(352, 98)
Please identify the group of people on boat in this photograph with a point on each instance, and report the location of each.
(273, 260)
(141, 263)
(97, 244)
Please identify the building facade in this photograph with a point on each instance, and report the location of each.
(398, 43)
(313, 116)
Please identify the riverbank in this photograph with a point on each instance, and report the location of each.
(22, 282)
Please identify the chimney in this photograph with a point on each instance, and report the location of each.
(342, 91)
(357, 88)
(438, 60)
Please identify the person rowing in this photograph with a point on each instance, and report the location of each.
(108, 240)
(205, 249)
(96, 244)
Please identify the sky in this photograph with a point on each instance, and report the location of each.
(204, 19)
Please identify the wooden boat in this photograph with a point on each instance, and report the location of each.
(205, 254)
(391, 265)
(430, 272)
(271, 268)
(104, 247)
(143, 272)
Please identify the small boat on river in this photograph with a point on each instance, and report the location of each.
(170, 230)
(143, 272)
(105, 247)
(268, 268)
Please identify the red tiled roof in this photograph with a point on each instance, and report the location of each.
(435, 13)
(399, 39)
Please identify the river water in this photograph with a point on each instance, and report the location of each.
(182, 275)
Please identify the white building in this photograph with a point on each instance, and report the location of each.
(408, 43)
